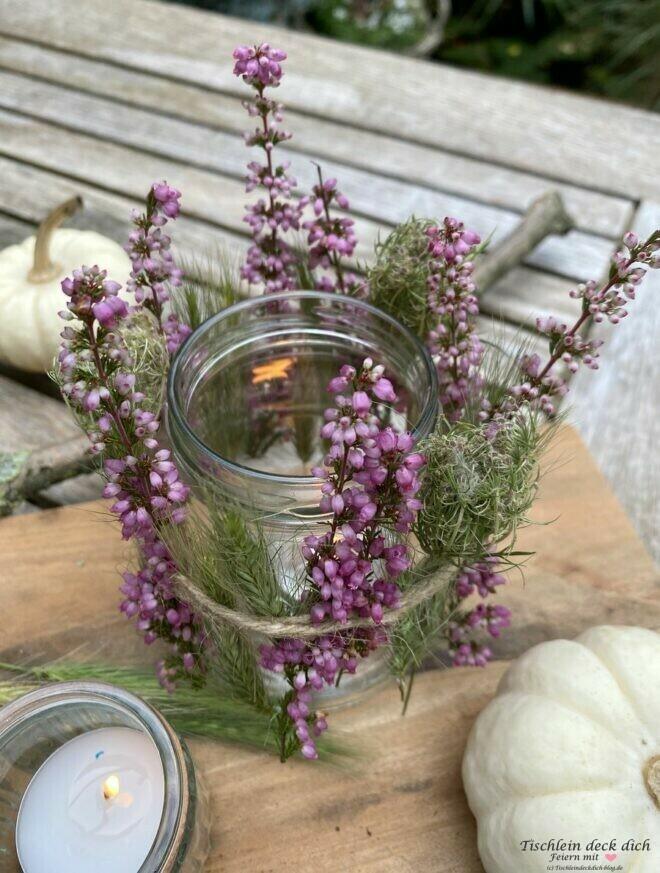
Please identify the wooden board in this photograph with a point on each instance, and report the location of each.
(382, 154)
(404, 811)
(43, 421)
(197, 161)
(30, 420)
(30, 192)
(576, 139)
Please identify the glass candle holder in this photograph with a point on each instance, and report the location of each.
(83, 766)
(245, 402)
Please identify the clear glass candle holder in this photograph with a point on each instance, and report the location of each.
(245, 402)
(34, 727)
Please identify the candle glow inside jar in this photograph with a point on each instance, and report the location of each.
(92, 778)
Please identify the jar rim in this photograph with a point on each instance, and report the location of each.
(427, 415)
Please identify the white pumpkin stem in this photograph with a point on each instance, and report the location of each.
(651, 773)
(43, 269)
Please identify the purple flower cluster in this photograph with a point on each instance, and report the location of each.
(153, 269)
(142, 481)
(92, 296)
(370, 483)
(455, 347)
(540, 384)
(331, 238)
(259, 66)
(484, 578)
(149, 598)
(270, 260)
(308, 667)
(127, 477)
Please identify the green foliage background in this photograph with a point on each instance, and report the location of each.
(605, 47)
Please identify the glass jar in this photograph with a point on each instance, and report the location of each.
(246, 396)
(34, 727)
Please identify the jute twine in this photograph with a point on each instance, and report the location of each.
(301, 626)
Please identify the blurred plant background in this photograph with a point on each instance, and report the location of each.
(605, 47)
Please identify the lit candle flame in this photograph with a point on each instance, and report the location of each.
(276, 369)
(111, 787)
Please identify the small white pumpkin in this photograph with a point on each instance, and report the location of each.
(569, 749)
(30, 292)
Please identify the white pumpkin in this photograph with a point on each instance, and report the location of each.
(30, 292)
(569, 749)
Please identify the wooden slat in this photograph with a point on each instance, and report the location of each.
(616, 409)
(553, 133)
(380, 154)
(30, 420)
(402, 808)
(29, 193)
(524, 294)
(13, 230)
(221, 199)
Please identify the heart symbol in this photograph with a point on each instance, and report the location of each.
(610, 856)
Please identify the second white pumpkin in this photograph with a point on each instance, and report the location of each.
(569, 749)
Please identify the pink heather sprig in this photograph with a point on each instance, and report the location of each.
(142, 481)
(331, 239)
(370, 483)
(464, 648)
(270, 260)
(153, 270)
(540, 383)
(456, 349)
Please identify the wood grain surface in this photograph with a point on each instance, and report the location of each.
(380, 153)
(102, 154)
(403, 809)
(537, 130)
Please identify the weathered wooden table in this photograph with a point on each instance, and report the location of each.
(101, 98)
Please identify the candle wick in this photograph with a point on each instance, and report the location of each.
(111, 787)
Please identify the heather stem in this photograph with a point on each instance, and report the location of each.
(100, 369)
(609, 299)
(336, 260)
(263, 112)
(409, 685)
(584, 317)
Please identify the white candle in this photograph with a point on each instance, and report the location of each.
(94, 806)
